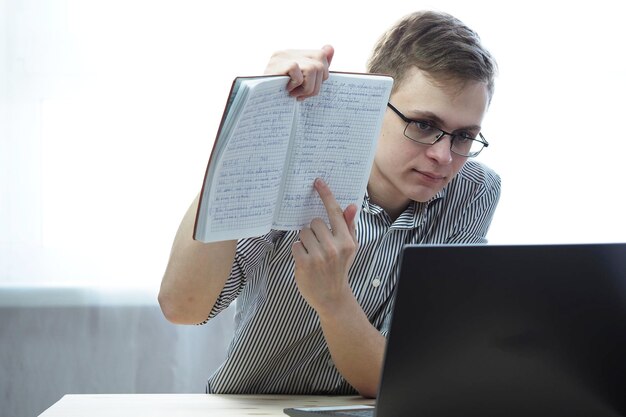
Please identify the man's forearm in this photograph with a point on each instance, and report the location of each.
(357, 348)
(195, 274)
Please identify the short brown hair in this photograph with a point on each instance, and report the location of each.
(437, 43)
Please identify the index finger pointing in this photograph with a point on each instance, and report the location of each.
(334, 210)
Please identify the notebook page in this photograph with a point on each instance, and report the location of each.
(335, 140)
(244, 189)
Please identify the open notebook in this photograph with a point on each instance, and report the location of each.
(485, 330)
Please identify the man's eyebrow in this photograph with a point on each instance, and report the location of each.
(430, 116)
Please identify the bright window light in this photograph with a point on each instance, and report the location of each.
(109, 111)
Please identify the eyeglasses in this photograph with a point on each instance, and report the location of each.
(463, 144)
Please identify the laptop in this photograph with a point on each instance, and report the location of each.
(509, 330)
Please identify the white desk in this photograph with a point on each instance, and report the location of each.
(187, 405)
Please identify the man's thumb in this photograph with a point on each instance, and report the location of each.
(329, 51)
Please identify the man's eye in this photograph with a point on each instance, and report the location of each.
(464, 137)
(423, 126)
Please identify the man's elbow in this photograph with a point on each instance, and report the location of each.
(368, 392)
(367, 389)
(178, 312)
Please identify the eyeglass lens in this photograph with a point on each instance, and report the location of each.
(428, 135)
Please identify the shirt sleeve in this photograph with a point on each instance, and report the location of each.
(384, 329)
(249, 256)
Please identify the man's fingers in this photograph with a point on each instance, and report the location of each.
(297, 78)
(349, 215)
(309, 240)
(306, 68)
(310, 86)
(335, 213)
(298, 250)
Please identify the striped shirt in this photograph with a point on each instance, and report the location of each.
(278, 345)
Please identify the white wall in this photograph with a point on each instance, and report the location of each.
(109, 110)
(4, 129)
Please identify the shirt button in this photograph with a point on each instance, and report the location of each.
(376, 282)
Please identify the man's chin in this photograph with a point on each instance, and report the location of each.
(423, 195)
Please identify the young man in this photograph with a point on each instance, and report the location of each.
(313, 306)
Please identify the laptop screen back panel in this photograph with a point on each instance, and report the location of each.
(508, 330)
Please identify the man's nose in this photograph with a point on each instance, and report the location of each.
(440, 151)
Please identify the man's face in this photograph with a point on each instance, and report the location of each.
(404, 170)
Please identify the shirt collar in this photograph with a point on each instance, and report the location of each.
(412, 217)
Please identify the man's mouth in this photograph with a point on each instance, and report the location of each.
(431, 176)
